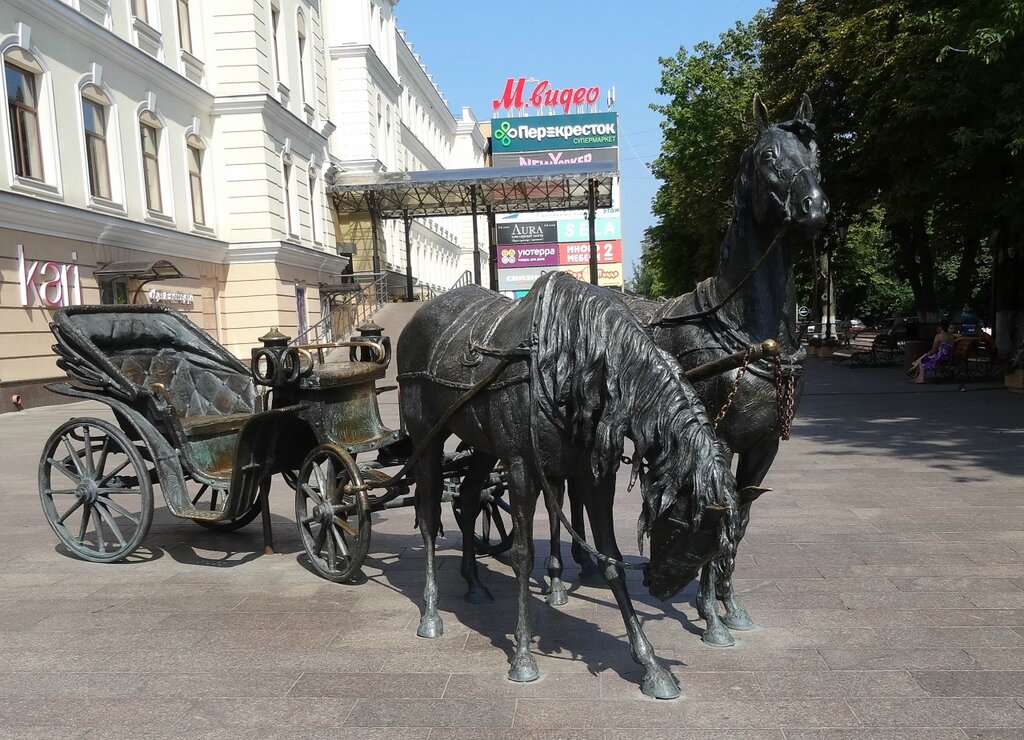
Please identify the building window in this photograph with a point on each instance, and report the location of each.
(149, 133)
(184, 27)
(300, 23)
(275, 23)
(140, 10)
(314, 210)
(97, 157)
(114, 291)
(23, 107)
(195, 151)
(286, 161)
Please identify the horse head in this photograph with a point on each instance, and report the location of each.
(781, 174)
(679, 550)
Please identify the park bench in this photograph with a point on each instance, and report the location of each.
(868, 348)
(971, 359)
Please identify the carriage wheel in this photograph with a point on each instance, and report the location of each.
(333, 519)
(213, 498)
(95, 490)
(492, 534)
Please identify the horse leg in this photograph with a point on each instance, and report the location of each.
(715, 634)
(557, 595)
(751, 469)
(523, 498)
(480, 467)
(590, 574)
(428, 515)
(657, 681)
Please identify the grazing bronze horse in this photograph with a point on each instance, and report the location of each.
(778, 206)
(551, 386)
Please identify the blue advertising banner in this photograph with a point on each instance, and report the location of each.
(578, 229)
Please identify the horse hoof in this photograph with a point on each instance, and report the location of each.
(660, 684)
(558, 596)
(430, 627)
(718, 636)
(523, 670)
(479, 595)
(739, 621)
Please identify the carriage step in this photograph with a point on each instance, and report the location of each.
(195, 513)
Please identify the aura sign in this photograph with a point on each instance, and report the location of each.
(514, 96)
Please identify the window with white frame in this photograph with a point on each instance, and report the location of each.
(140, 9)
(184, 26)
(195, 151)
(275, 44)
(286, 165)
(96, 125)
(300, 24)
(22, 77)
(314, 204)
(150, 130)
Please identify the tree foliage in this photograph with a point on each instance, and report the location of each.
(918, 106)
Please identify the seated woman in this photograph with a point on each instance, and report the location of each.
(942, 349)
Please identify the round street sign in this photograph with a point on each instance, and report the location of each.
(803, 312)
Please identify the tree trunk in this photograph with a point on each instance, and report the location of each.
(965, 276)
(1006, 287)
(918, 265)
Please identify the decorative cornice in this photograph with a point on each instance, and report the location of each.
(379, 73)
(110, 47)
(273, 112)
(25, 213)
(286, 253)
(418, 77)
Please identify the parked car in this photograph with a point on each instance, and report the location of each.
(857, 326)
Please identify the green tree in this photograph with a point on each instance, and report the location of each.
(705, 129)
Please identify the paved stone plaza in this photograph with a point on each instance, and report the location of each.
(886, 571)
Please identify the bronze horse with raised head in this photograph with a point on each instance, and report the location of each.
(552, 385)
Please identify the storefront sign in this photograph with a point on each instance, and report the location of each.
(521, 278)
(532, 255)
(543, 232)
(609, 276)
(557, 156)
(515, 96)
(578, 229)
(544, 133)
(163, 296)
(54, 284)
(578, 253)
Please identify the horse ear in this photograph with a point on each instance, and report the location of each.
(760, 114)
(806, 111)
(750, 494)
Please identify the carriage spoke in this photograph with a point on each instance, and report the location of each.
(121, 510)
(318, 544)
(62, 492)
(332, 553)
(115, 471)
(495, 515)
(85, 524)
(90, 470)
(69, 512)
(339, 540)
(111, 524)
(101, 538)
(73, 456)
(102, 462)
(57, 465)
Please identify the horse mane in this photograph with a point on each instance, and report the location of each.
(599, 370)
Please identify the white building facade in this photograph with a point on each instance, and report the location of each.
(200, 132)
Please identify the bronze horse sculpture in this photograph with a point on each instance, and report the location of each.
(778, 206)
(552, 385)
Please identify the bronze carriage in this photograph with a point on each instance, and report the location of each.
(193, 419)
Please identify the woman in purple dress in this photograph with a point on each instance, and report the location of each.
(942, 350)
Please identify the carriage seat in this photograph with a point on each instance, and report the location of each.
(337, 374)
(197, 391)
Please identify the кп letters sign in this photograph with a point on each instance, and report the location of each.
(53, 283)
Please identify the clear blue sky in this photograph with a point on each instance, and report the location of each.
(471, 48)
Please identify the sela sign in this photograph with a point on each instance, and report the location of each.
(543, 95)
(54, 284)
(546, 133)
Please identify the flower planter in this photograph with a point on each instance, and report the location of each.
(1015, 380)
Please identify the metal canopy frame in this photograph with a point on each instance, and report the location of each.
(468, 192)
